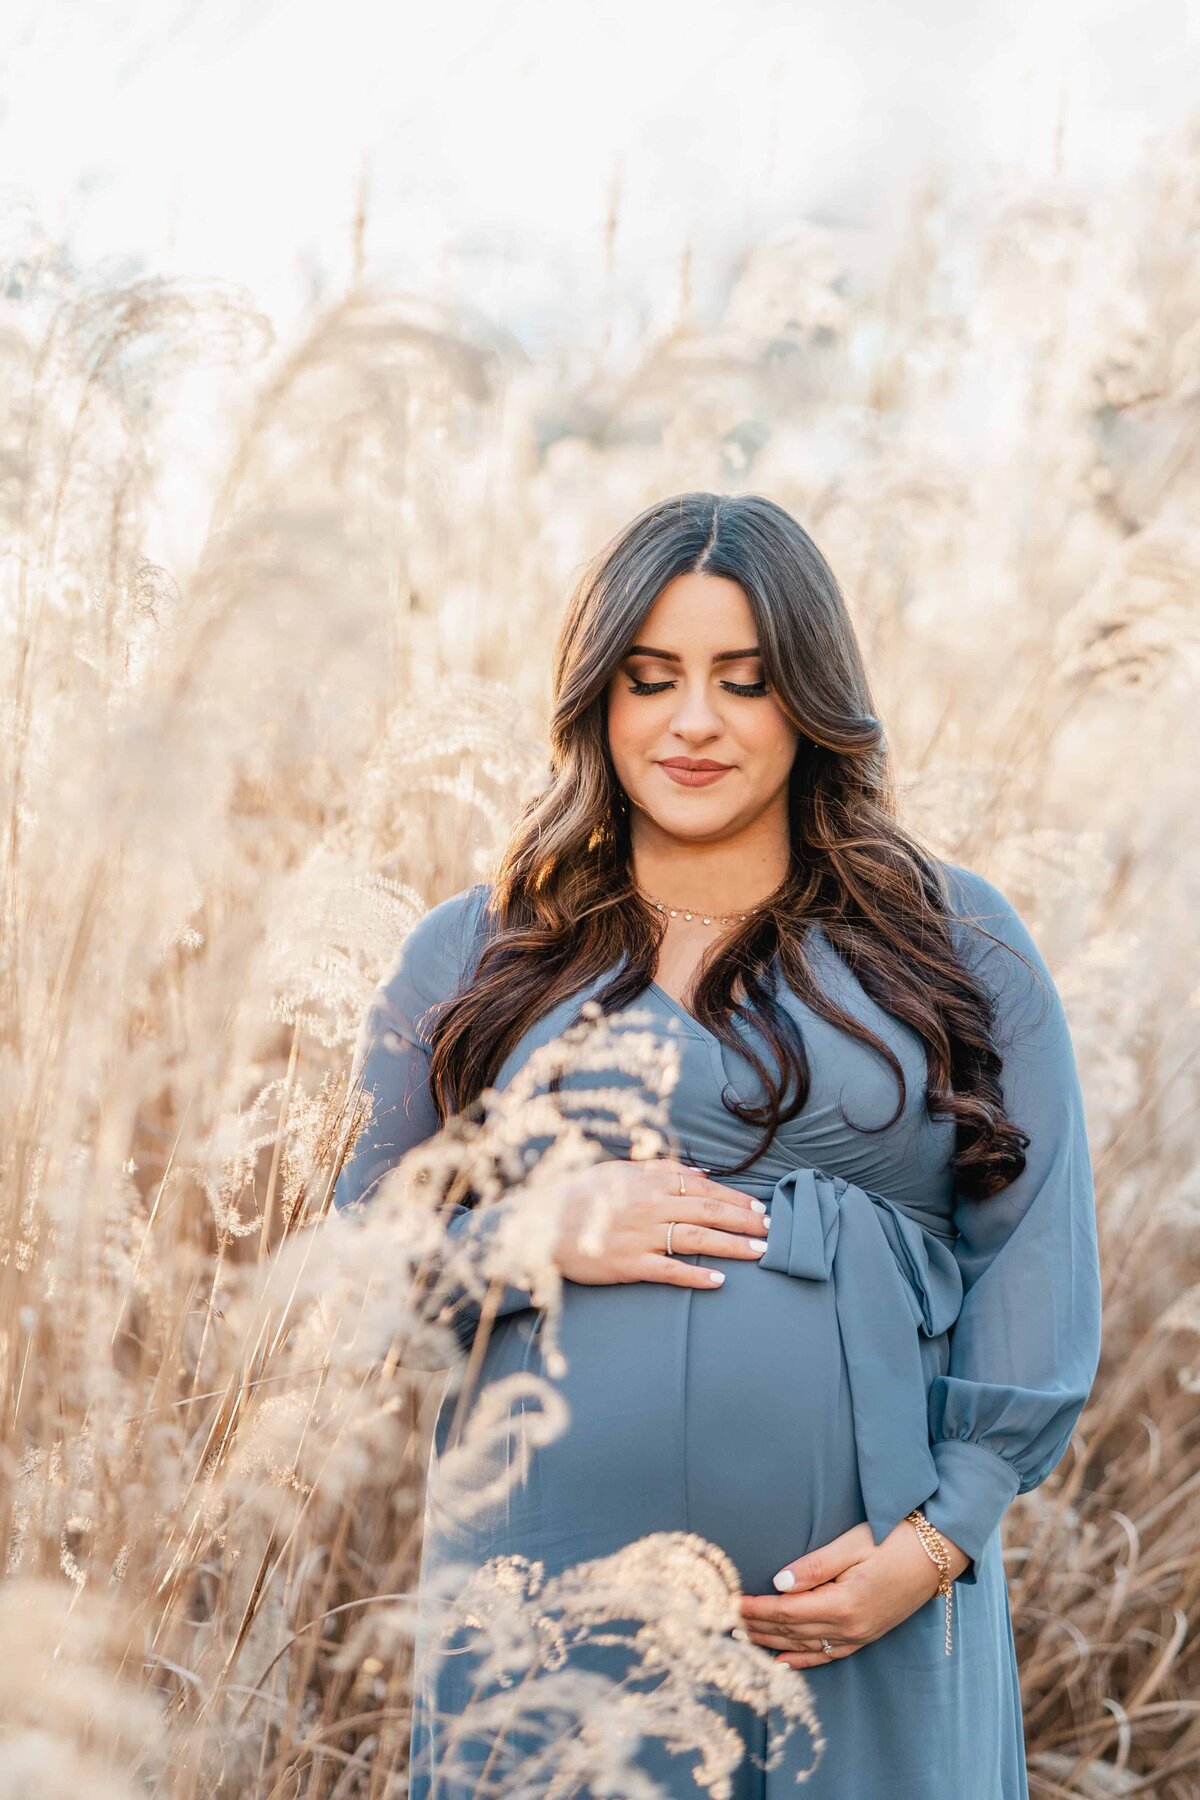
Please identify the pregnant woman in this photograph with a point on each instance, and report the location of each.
(859, 1311)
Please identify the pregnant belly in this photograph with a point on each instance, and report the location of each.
(723, 1411)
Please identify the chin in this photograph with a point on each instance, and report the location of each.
(692, 824)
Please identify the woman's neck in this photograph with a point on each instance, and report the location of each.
(707, 880)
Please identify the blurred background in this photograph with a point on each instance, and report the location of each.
(332, 342)
(550, 165)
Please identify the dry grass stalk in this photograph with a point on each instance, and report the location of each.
(229, 791)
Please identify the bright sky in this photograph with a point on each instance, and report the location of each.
(228, 137)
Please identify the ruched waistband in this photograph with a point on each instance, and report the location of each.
(891, 1276)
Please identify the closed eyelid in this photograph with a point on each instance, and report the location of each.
(647, 684)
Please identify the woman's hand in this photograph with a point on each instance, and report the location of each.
(615, 1217)
(850, 1591)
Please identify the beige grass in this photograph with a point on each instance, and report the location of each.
(230, 787)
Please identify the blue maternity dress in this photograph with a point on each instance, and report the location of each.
(898, 1345)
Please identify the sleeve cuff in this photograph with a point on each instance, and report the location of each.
(975, 1488)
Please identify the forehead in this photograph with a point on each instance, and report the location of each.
(699, 614)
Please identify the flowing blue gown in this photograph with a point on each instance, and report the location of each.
(898, 1345)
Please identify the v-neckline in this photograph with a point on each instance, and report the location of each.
(689, 1018)
(700, 1034)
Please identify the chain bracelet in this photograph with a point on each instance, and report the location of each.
(935, 1548)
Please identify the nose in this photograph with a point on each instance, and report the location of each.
(695, 715)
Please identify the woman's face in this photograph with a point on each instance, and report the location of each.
(692, 690)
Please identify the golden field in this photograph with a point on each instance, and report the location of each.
(232, 785)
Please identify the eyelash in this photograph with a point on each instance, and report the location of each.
(753, 689)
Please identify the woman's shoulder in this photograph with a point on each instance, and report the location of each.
(982, 913)
(436, 954)
(447, 929)
(975, 901)
(994, 942)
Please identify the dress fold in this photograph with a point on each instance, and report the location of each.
(892, 1277)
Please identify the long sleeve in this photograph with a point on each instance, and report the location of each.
(391, 1059)
(1026, 1344)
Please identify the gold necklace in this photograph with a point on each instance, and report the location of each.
(695, 912)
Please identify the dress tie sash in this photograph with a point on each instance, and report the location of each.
(892, 1277)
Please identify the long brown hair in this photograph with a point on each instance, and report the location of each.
(563, 907)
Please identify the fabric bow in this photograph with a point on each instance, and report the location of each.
(893, 1277)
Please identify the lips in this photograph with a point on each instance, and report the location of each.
(685, 772)
(687, 762)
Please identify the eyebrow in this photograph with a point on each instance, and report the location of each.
(670, 656)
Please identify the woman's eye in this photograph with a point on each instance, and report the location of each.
(734, 687)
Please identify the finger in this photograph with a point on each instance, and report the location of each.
(811, 1616)
(807, 1641)
(672, 1167)
(699, 1240)
(670, 1172)
(726, 1191)
(710, 1211)
(699, 1183)
(775, 1640)
(675, 1273)
(827, 1561)
(812, 1659)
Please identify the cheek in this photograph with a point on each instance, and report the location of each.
(630, 721)
(772, 739)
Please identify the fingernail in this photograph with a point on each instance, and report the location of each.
(759, 1205)
(716, 1275)
(784, 1580)
(758, 1245)
(742, 1637)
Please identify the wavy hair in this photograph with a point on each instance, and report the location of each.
(563, 906)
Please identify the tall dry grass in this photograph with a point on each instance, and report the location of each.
(231, 785)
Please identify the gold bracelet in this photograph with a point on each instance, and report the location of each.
(938, 1553)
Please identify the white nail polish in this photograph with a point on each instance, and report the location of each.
(759, 1205)
(784, 1580)
(716, 1275)
(743, 1637)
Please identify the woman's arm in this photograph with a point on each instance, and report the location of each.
(391, 1059)
(1026, 1345)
